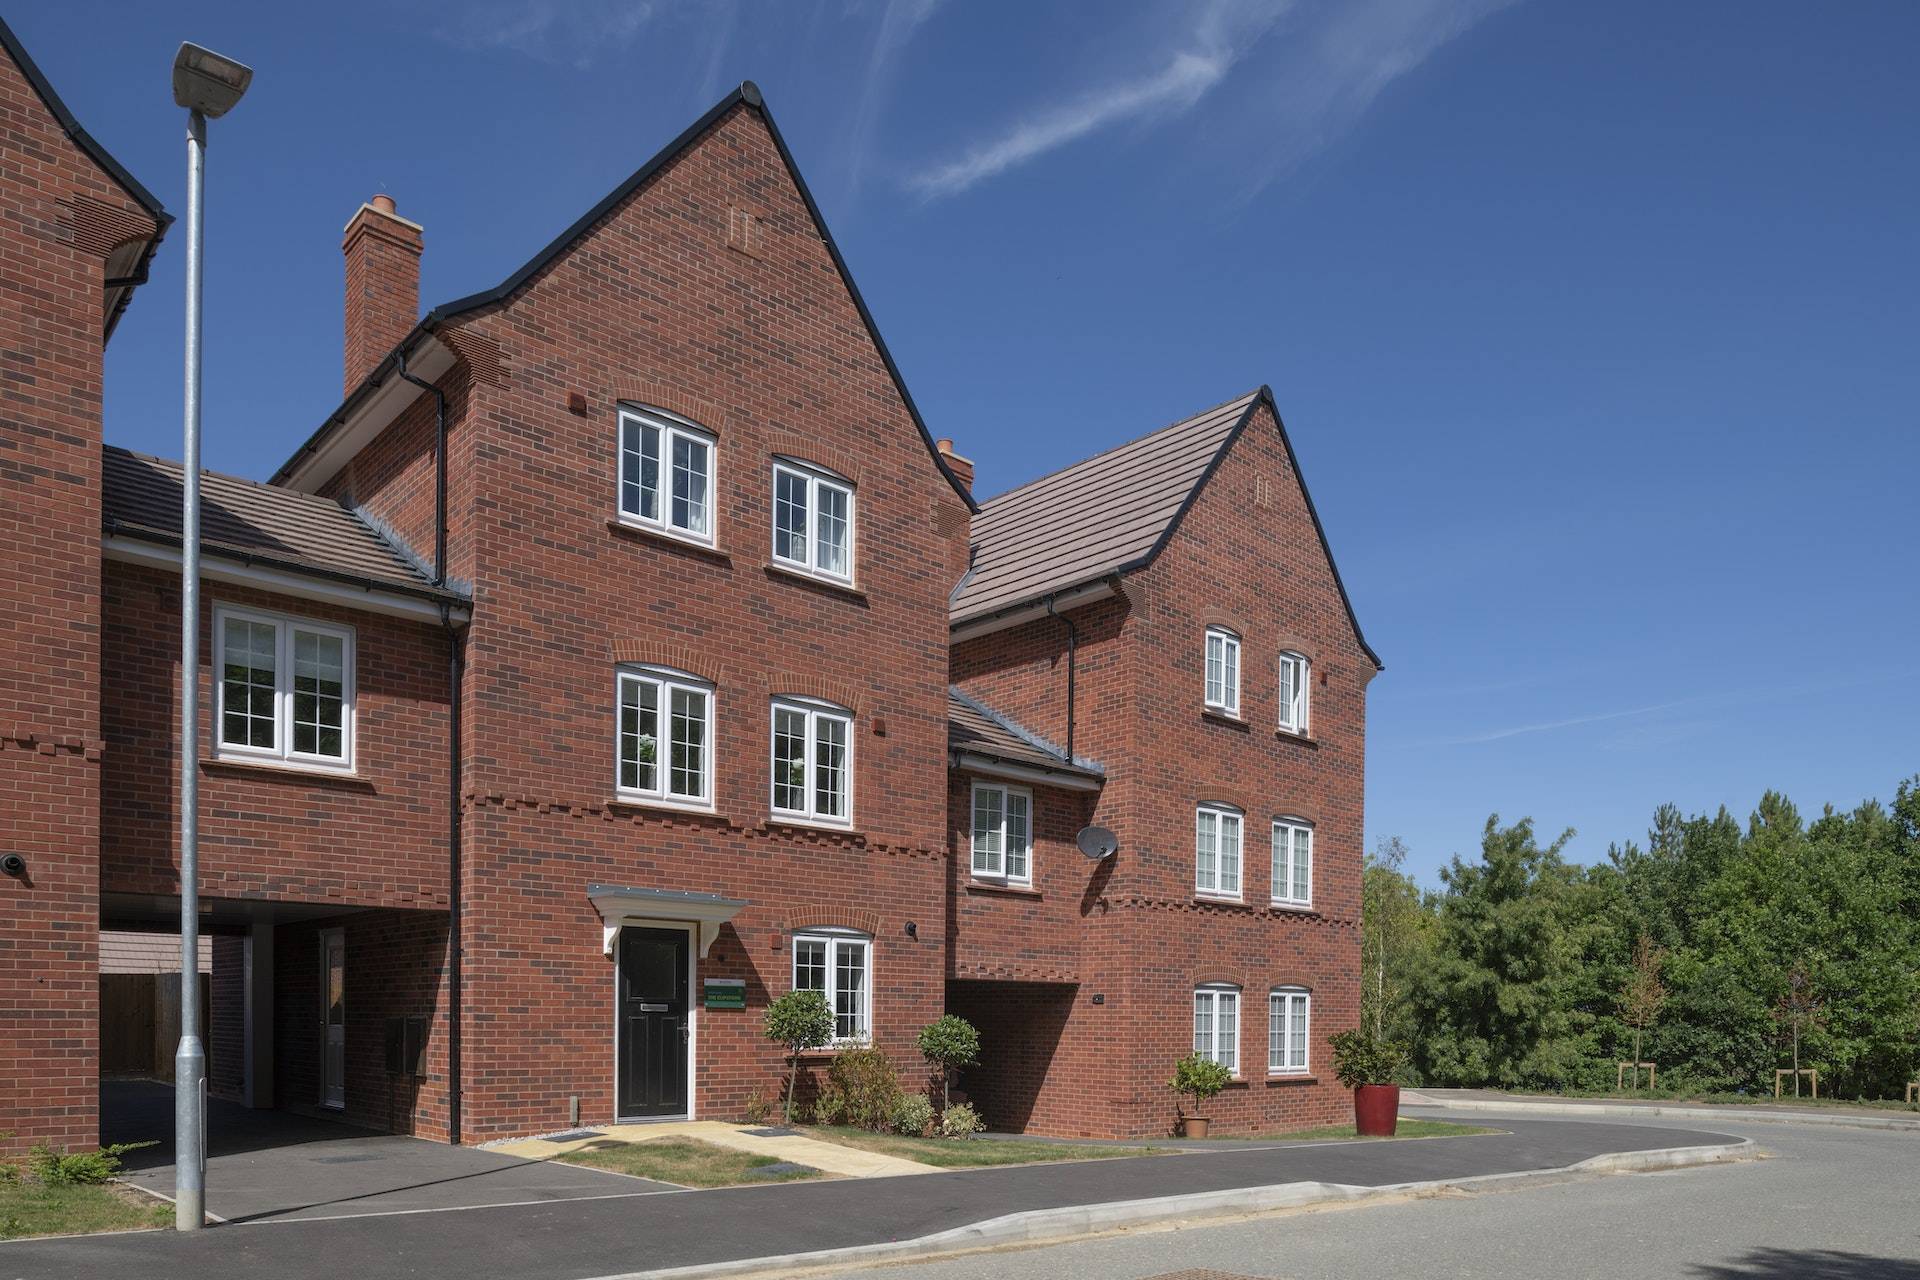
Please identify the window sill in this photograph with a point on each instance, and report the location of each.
(808, 824)
(288, 772)
(1225, 719)
(1001, 888)
(1292, 1077)
(1305, 740)
(648, 805)
(1217, 900)
(679, 542)
(1294, 908)
(846, 589)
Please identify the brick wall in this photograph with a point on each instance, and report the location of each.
(62, 217)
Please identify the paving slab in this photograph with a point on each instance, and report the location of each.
(759, 1140)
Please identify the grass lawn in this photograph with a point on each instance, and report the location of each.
(687, 1162)
(969, 1153)
(30, 1208)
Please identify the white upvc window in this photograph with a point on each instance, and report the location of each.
(1294, 686)
(666, 474)
(1216, 851)
(1002, 833)
(1223, 671)
(1216, 1024)
(283, 689)
(659, 707)
(812, 521)
(1289, 1011)
(812, 761)
(838, 963)
(1293, 862)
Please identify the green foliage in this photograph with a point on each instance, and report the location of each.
(948, 1043)
(1724, 950)
(1362, 1058)
(79, 1168)
(1198, 1078)
(912, 1114)
(862, 1087)
(960, 1121)
(798, 1020)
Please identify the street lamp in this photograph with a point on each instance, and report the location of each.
(207, 85)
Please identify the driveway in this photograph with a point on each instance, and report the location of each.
(270, 1166)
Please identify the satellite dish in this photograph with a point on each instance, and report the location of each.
(1097, 842)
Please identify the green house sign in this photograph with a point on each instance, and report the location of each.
(725, 993)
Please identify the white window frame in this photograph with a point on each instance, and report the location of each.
(816, 480)
(1221, 814)
(669, 681)
(814, 711)
(1295, 712)
(1228, 701)
(282, 751)
(1280, 1059)
(998, 861)
(1215, 998)
(671, 428)
(1282, 888)
(834, 941)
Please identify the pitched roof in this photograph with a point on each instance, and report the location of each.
(978, 730)
(747, 95)
(1110, 515)
(120, 292)
(257, 523)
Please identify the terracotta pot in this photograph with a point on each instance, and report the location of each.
(1376, 1110)
(1193, 1126)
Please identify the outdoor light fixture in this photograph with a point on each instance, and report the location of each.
(206, 82)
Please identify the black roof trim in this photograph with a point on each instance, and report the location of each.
(81, 138)
(747, 95)
(286, 564)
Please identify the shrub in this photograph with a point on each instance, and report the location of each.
(960, 1121)
(799, 1020)
(79, 1168)
(912, 1114)
(1360, 1058)
(758, 1109)
(948, 1043)
(864, 1084)
(1199, 1078)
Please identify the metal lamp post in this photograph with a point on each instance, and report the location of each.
(207, 85)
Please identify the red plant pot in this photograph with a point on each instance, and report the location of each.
(1376, 1110)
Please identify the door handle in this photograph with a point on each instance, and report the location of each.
(686, 1032)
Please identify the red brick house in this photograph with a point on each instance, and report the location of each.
(622, 652)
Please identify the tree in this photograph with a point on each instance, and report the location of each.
(1643, 994)
(798, 1020)
(949, 1043)
(1392, 920)
(1799, 1010)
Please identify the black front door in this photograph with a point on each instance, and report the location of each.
(653, 1022)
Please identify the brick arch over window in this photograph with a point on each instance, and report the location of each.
(702, 413)
(785, 444)
(667, 653)
(1288, 984)
(812, 686)
(1226, 622)
(867, 922)
(1307, 813)
(1218, 978)
(1287, 642)
(1231, 799)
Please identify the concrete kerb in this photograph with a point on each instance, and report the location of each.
(1056, 1226)
(1721, 1115)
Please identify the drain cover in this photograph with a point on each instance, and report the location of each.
(771, 1131)
(574, 1135)
(343, 1159)
(780, 1170)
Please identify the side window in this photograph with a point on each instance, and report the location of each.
(284, 689)
(664, 737)
(1223, 671)
(1216, 851)
(812, 521)
(666, 474)
(812, 761)
(1294, 687)
(1002, 833)
(1216, 1024)
(1293, 862)
(839, 965)
(1288, 1012)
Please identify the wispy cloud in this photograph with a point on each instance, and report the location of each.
(1545, 726)
(1226, 30)
(899, 20)
(563, 32)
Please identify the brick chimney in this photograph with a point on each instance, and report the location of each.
(961, 467)
(383, 285)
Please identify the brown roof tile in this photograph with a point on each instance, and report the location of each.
(977, 729)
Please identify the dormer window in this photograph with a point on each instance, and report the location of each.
(1294, 673)
(1223, 671)
(812, 521)
(666, 474)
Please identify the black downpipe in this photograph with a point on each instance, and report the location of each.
(1073, 645)
(456, 677)
(439, 469)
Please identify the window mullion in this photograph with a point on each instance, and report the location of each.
(282, 690)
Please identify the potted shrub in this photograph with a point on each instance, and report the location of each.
(1199, 1078)
(1371, 1068)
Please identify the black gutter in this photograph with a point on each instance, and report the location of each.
(439, 469)
(456, 681)
(222, 551)
(1073, 664)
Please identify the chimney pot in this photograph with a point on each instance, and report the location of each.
(962, 468)
(384, 203)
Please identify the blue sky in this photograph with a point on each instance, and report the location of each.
(1593, 324)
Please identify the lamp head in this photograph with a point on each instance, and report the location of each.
(206, 82)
